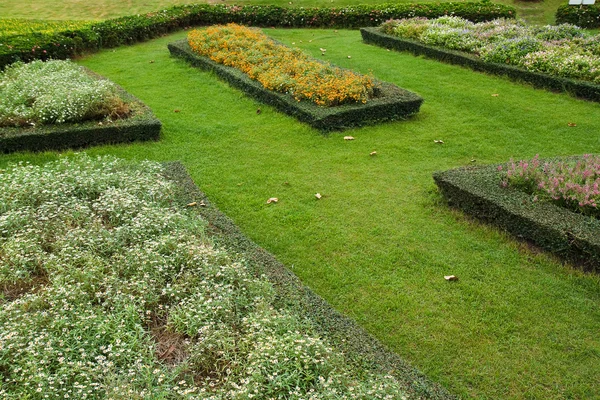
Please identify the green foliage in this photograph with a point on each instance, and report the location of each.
(586, 90)
(130, 29)
(389, 102)
(584, 16)
(478, 192)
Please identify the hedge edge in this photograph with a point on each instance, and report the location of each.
(135, 28)
(477, 191)
(350, 338)
(581, 89)
(143, 125)
(394, 103)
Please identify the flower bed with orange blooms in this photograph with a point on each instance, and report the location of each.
(280, 68)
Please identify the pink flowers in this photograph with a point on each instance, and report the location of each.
(573, 183)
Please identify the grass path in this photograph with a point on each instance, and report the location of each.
(517, 325)
(535, 12)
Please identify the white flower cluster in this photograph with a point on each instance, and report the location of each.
(51, 92)
(96, 258)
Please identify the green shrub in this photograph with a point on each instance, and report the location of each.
(583, 16)
(130, 29)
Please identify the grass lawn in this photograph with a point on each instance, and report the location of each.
(517, 324)
(541, 12)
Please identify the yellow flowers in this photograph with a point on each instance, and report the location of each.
(280, 68)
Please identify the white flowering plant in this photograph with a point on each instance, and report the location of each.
(562, 50)
(112, 290)
(55, 92)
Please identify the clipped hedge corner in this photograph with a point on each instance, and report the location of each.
(477, 192)
(350, 338)
(578, 88)
(142, 125)
(390, 103)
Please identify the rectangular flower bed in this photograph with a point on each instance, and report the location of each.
(57, 122)
(478, 192)
(578, 88)
(385, 102)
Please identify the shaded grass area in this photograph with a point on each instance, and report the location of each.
(517, 324)
(538, 12)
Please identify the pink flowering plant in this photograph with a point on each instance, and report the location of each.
(572, 183)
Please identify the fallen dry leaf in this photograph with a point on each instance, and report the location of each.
(272, 200)
(192, 204)
(348, 138)
(572, 124)
(151, 61)
(450, 278)
(322, 49)
(202, 204)
(349, 56)
(473, 160)
(176, 111)
(438, 141)
(373, 153)
(258, 111)
(318, 196)
(495, 95)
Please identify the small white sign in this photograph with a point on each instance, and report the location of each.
(575, 2)
(588, 2)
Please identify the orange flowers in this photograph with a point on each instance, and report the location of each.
(278, 67)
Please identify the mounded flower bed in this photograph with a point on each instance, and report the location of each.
(113, 285)
(550, 202)
(57, 104)
(325, 96)
(560, 58)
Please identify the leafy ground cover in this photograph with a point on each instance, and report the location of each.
(535, 12)
(111, 288)
(562, 50)
(280, 68)
(517, 324)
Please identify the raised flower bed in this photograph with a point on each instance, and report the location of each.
(325, 96)
(56, 105)
(560, 58)
(549, 202)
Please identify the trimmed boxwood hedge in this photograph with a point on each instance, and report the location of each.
(583, 16)
(391, 103)
(130, 29)
(578, 88)
(477, 192)
(347, 336)
(142, 125)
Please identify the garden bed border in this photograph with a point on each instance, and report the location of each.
(578, 88)
(345, 333)
(477, 192)
(143, 125)
(394, 104)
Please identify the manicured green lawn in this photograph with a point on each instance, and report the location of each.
(518, 324)
(539, 12)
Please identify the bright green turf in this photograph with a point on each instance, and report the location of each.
(517, 324)
(539, 12)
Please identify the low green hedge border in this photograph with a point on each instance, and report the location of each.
(583, 16)
(477, 192)
(392, 103)
(350, 338)
(142, 125)
(131, 29)
(582, 89)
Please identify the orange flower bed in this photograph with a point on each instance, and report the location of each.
(278, 67)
